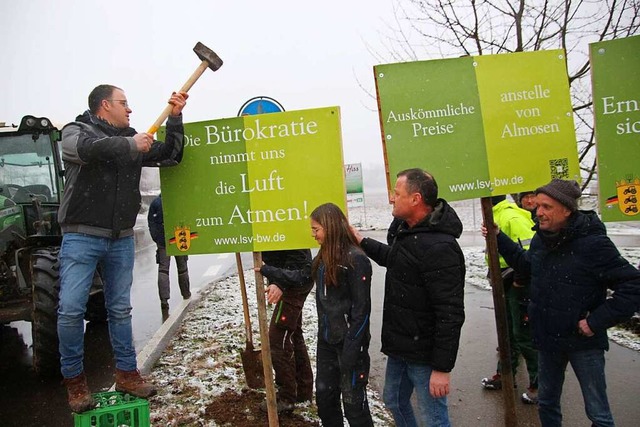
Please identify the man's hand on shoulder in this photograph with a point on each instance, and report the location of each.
(356, 234)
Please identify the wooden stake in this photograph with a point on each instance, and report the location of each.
(272, 404)
(495, 277)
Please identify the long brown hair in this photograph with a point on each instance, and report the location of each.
(337, 240)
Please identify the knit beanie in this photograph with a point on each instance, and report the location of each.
(566, 192)
(524, 193)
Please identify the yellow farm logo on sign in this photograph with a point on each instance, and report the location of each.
(626, 196)
(182, 237)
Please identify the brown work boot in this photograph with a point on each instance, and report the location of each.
(132, 382)
(80, 399)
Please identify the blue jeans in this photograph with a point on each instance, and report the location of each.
(588, 366)
(401, 379)
(79, 256)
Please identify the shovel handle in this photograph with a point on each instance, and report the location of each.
(185, 88)
(245, 304)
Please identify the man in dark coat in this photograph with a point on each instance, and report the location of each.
(572, 264)
(155, 219)
(423, 301)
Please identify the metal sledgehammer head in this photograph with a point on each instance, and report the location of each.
(206, 54)
(209, 60)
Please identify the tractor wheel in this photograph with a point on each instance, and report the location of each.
(46, 287)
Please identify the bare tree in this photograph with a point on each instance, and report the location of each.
(430, 29)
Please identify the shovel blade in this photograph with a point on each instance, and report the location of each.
(253, 370)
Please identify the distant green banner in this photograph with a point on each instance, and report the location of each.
(616, 100)
(250, 183)
(355, 186)
(353, 178)
(484, 125)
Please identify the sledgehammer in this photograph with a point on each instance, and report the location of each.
(209, 60)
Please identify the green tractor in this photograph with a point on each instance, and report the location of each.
(31, 186)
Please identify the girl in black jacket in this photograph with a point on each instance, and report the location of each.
(342, 273)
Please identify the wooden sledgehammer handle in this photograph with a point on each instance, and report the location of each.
(185, 88)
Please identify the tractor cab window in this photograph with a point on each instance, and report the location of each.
(27, 170)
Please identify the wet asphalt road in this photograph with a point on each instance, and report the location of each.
(26, 400)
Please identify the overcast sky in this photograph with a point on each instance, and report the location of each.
(303, 54)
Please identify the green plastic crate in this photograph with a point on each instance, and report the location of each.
(115, 409)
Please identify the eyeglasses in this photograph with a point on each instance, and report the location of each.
(122, 102)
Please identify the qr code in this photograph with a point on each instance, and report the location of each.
(559, 168)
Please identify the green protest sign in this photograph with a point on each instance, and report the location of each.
(616, 101)
(485, 125)
(250, 183)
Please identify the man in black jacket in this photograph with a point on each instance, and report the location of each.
(423, 301)
(572, 263)
(103, 159)
(155, 219)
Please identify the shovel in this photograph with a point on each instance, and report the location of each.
(251, 358)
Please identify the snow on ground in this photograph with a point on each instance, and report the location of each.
(203, 359)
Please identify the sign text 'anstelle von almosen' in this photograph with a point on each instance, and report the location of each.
(486, 125)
